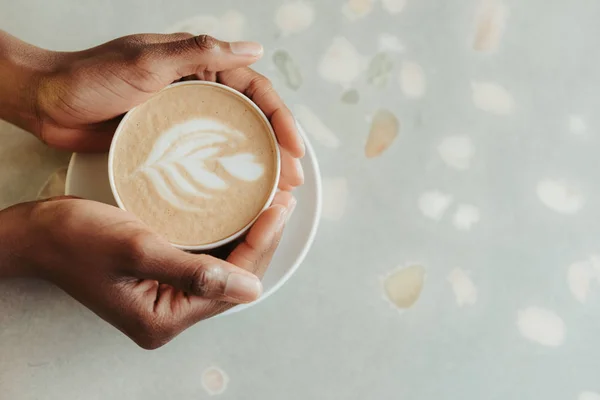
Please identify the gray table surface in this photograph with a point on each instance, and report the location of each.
(458, 254)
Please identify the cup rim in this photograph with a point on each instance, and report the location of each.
(269, 199)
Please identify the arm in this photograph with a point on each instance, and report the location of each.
(13, 227)
(21, 67)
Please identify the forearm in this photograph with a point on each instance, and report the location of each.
(14, 251)
(21, 68)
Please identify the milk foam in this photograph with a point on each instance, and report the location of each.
(176, 166)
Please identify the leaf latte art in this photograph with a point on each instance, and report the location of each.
(181, 163)
(198, 162)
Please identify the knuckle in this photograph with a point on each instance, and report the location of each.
(151, 341)
(205, 42)
(259, 85)
(148, 344)
(261, 82)
(203, 281)
(152, 333)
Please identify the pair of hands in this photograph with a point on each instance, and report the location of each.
(103, 256)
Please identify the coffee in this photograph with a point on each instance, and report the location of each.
(197, 162)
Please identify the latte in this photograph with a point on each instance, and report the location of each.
(197, 162)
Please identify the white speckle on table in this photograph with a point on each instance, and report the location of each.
(383, 132)
(403, 286)
(560, 196)
(492, 98)
(580, 275)
(463, 287)
(214, 380)
(294, 17)
(587, 395)
(341, 63)
(412, 79)
(433, 204)
(390, 43)
(457, 151)
(315, 127)
(465, 217)
(489, 25)
(577, 125)
(335, 193)
(393, 6)
(542, 326)
(355, 9)
(229, 27)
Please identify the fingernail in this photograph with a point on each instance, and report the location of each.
(246, 48)
(290, 209)
(245, 288)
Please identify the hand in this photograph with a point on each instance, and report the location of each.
(82, 100)
(131, 277)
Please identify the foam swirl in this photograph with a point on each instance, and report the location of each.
(177, 164)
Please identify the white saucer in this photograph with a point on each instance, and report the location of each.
(87, 177)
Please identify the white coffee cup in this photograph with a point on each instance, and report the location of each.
(244, 229)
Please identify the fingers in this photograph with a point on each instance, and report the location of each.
(204, 53)
(255, 252)
(160, 311)
(198, 275)
(292, 174)
(259, 89)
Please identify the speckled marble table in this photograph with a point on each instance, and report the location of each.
(458, 257)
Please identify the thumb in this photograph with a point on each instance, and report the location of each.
(205, 53)
(199, 275)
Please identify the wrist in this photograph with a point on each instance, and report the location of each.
(22, 67)
(15, 243)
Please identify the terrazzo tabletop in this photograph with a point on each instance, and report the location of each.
(458, 255)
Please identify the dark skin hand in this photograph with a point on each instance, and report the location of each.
(131, 277)
(103, 256)
(83, 99)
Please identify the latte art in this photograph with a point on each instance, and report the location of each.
(179, 164)
(197, 162)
